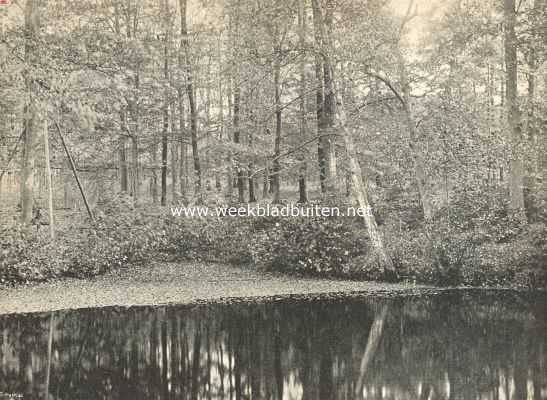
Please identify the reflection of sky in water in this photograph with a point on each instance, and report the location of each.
(459, 345)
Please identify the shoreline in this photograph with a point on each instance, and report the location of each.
(176, 283)
(165, 283)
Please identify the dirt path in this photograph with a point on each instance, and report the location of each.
(166, 283)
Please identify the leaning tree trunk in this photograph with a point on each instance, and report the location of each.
(361, 193)
(358, 185)
(516, 173)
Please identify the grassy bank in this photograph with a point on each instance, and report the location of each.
(485, 252)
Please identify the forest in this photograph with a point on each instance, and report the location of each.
(431, 113)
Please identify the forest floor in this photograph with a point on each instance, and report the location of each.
(163, 283)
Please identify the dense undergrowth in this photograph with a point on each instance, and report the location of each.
(483, 248)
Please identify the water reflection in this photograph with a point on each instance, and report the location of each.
(452, 346)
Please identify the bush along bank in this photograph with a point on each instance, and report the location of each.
(492, 251)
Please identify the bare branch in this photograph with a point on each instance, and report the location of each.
(389, 85)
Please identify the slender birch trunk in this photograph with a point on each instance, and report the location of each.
(32, 21)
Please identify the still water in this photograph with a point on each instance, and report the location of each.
(455, 345)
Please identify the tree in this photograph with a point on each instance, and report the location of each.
(516, 173)
(302, 189)
(325, 98)
(190, 92)
(33, 12)
(359, 187)
(165, 131)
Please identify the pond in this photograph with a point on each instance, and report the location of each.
(453, 345)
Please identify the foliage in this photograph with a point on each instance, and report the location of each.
(476, 246)
(27, 255)
(318, 245)
(438, 252)
(121, 236)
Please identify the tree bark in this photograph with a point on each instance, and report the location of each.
(165, 108)
(319, 98)
(361, 193)
(237, 140)
(325, 100)
(278, 121)
(185, 44)
(123, 165)
(302, 191)
(516, 173)
(417, 157)
(183, 172)
(330, 103)
(32, 21)
(174, 156)
(49, 183)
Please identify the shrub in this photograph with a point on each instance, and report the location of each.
(479, 247)
(28, 255)
(122, 234)
(209, 239)
(324, 246)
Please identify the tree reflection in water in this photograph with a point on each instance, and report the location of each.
(458, 345)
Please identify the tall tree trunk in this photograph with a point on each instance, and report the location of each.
(32, 21)
(533, 130)
(183, 171)
(330, 103)
(250, 167)
(49, 183)
(165, 131)
(237, 140)
(135, 166)
(164, 154)
(302, 192)
(174, 156)
(185, 44)
(278, 121)
(516, 173)
(251, 183)
(154, 179)
(208, 124)
(135, 141)
(415, 150)
(326, 101)
(219, 166)
(123, 165)
(235, 25)
(319, 98)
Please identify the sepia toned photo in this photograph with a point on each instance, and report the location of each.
(273, 199)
